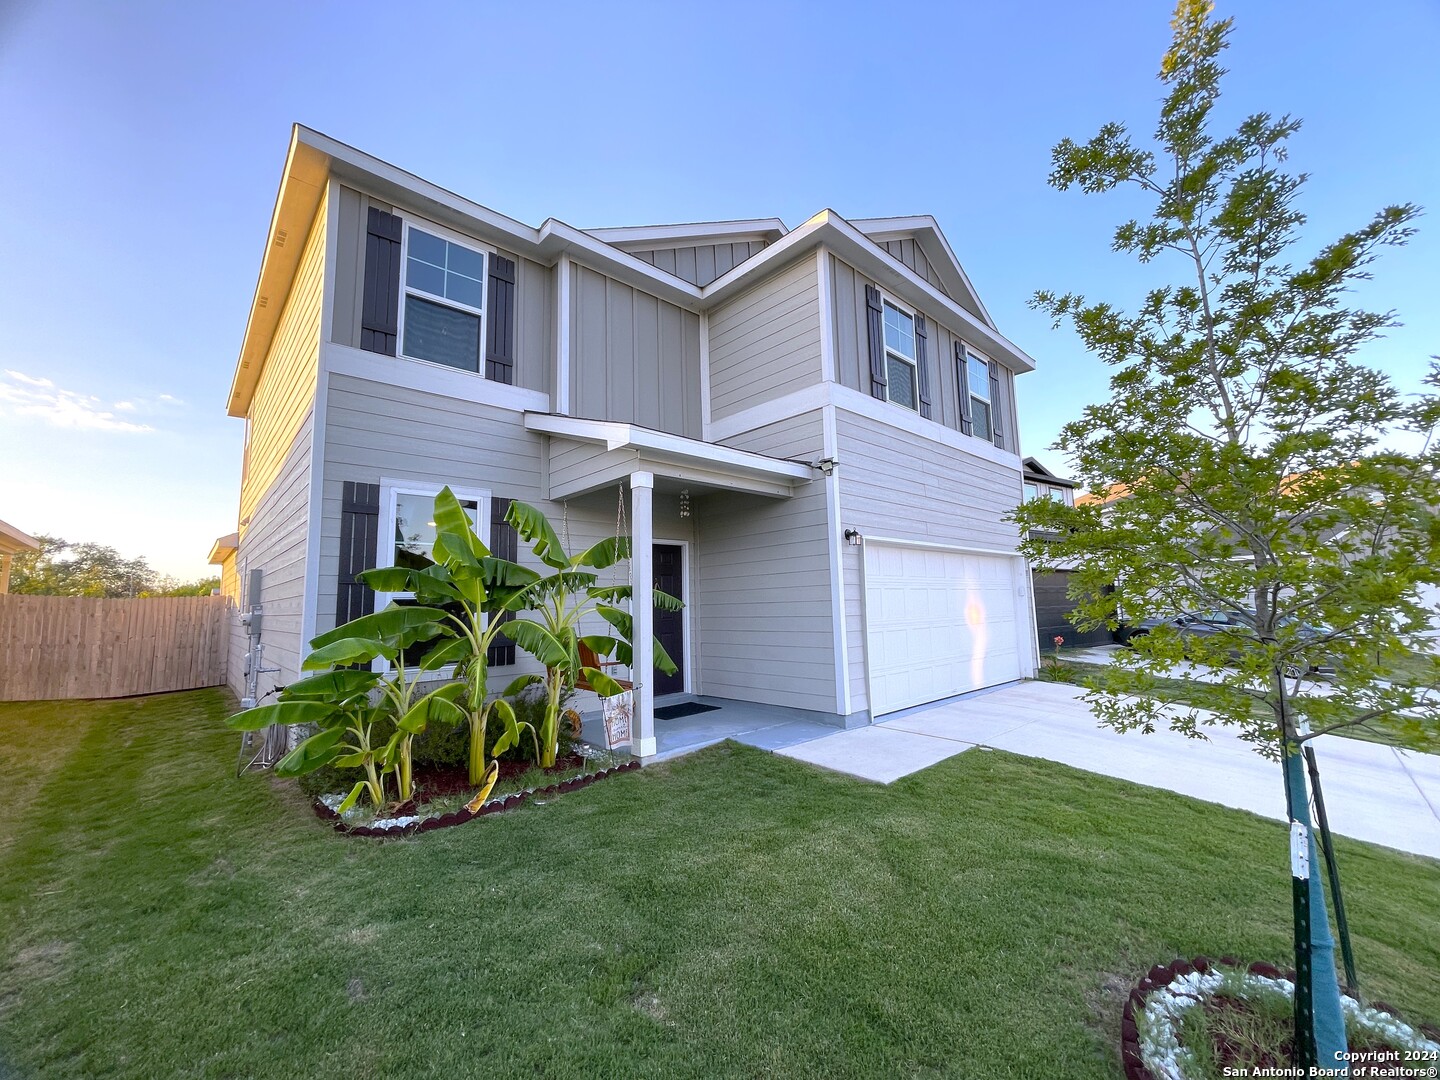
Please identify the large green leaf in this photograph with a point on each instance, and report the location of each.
(386, 625)
(521, 683)
(320, 749)
(347, 651)
(436, 707)
(388, 579)
(436, 585)
(604, 554)
(451, 652)
(536, 530)
(622, 621)
(452, 521)
(665, 602)
(537, 641)
(332, 685)
(599, 644)
(281, 712)
(601, 683)
(618, 618)
(354, 797)
(504, 574)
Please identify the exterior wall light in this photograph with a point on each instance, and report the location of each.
(853, 537)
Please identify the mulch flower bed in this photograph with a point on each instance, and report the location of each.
(1187, 972)
(440, 782)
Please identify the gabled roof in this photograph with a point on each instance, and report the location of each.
(925, 231)
(315, 158)
(1033, 468)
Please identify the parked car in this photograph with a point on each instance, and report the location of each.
(1234, 623)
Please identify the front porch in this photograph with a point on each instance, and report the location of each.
(740, 633)
(767, 727)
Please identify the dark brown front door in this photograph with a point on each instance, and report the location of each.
(670, 625)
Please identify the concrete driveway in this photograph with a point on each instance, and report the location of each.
(1372, 792)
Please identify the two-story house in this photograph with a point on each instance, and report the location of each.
(810, 433)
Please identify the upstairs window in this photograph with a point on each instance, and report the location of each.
(900, 356)
(980, 405)
(444, 301)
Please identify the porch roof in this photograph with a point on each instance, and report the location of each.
(586, 455)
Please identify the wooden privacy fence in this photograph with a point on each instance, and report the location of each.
(86, 647)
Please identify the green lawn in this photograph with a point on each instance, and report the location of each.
(730, 914)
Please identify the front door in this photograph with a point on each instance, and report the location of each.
(670, 625)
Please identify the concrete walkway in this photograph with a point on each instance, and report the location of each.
(1372, 792)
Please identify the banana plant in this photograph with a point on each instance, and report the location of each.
(343, 703)
(558, 602)
(470, 591)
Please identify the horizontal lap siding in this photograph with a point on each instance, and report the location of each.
(766, 630)
(634, 357)
(534, 293)
(274, 499)
(897, 484)
(765, 343)
(376, 431)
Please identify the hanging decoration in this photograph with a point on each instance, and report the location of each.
(684, 502)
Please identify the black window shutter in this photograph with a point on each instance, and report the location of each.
(922, 366)
(995, 405)
(878, 376)
(380, 311)
(504, 544)
(359, 539)
(500, 329)
(962, 381)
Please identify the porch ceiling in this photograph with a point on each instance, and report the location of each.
(586, 455)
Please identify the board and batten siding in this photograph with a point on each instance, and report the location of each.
(764, 607)
(534, 292)
(702, 264)
(634, 358)
(852, 353)
(910, 253)
(275, 486)
(896, 484)
(765, 343)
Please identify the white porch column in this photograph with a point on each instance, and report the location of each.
(642, 607)
(5, 572)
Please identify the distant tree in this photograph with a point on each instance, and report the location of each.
(60, 568)
(1250, 448)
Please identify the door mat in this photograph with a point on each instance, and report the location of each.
(688, 708)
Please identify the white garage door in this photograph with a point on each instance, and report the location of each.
(937, 623)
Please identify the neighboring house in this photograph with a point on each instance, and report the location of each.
(12, 543)
(1053, 604)
(812, 431)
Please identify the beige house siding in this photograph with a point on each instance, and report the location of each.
(634, 358)
(534, 292)
(765, 343)
(852, 352)
(896, 484)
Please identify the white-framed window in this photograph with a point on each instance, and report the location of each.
(900, 356)
(442, 298)
(981, 416)
(1036, 490)
(407, 526)
(407, 536)
(1032, 492)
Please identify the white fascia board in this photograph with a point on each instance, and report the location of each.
(695, 232)
(925, 225)
(618, 436)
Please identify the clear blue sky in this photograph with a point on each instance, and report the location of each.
(143, 146)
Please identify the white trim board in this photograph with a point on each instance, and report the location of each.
(429, 378)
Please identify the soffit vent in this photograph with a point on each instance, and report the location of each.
(280, 237)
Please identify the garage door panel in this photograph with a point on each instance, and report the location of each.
(938, 623)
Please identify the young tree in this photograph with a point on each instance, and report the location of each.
(1243, 460)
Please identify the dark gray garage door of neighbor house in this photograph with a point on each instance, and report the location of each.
(1052, 605)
